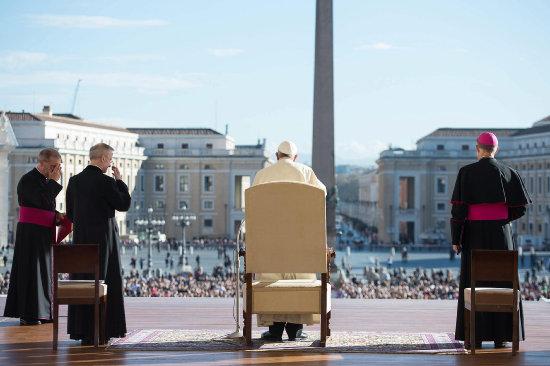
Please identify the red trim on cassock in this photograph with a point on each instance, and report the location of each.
(525, 204)
(455, 220)
(458, 203)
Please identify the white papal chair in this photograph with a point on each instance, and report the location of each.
(286, 233)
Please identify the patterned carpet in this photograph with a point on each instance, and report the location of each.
(208, 340)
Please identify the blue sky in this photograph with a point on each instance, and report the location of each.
(402, 68)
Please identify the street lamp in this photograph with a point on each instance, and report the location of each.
(150, 224)
(184, 220)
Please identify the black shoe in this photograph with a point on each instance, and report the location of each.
(502, 344)
(86, 341)
(467, 345)
(23, 321)
(300, 334)
(266, 336)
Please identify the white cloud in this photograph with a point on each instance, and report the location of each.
(21, 59)
(354, 149)
(91, 22)
(381, 46)
(121, 59)
(143, 83)
(225, 52)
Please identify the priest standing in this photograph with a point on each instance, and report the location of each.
(92, 199)
(29, 294)
(487, 196)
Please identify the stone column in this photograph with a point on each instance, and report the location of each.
(323, 111)
(8, 142)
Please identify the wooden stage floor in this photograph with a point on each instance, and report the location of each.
(32, 345)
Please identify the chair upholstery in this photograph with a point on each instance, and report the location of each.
(79, 258)
(79, 288)
(491, 296)
(301, 297)
(286, 233)
(492, 265)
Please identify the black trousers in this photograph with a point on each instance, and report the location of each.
(291, 328)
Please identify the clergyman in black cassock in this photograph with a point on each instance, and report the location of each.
(29, 294)
(487, 196)
(92, 198)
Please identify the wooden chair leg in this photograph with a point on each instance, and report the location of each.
(473, 332)
(466, 327)
(102, 339)
(329, 314)
(248, 328)
(96, 323)
(515, 334)
(55, 323)
(324, 327)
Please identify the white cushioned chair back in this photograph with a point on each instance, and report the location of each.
(285, 228)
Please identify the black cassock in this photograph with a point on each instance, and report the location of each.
(29, 294)
(486, 181)
(92, 198)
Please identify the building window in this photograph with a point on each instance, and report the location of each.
(159, 183)
(540, 228)
(548, 184)
(183, 205)
(142, 187)
(160, 146)
(531, 185)
(159, 204)
(465, 147)
(208, 223)
(530, 228)
(185, 146)
(208, 167)
(523, 226)
(184, 167)
(441, 185)
(159, 166)
(184, 183)
(539, 208)
(209, 146)
(208, 183)
(539, 185)
(440, 147)
(440, 206)
(207, 205)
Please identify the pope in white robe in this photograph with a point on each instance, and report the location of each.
(287, 169)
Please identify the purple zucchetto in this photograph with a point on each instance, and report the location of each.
(488, 139)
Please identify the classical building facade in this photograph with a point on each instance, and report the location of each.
(174, 171)
(195, 171)
(415, 186)
(72, 137)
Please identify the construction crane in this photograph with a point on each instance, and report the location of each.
(75, 94)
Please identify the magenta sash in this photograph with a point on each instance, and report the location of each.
(488, 211)
(37, 216)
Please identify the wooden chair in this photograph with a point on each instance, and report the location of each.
(286, 233)
(492, 265)
(78, 258)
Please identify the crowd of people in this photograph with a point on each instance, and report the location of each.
(376, 284)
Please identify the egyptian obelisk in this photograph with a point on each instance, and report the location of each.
(8, 142)
(323, 111)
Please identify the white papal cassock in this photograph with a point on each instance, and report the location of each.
(287, 170)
